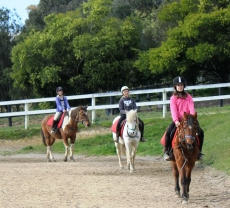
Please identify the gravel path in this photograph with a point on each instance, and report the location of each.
(28, 181)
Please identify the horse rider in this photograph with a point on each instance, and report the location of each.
(62, 106)
(180, 102)
(126, 104)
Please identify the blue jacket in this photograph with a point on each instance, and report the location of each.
(59, 106)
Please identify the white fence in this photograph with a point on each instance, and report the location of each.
(164, 102)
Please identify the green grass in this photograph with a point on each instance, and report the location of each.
(215, 122)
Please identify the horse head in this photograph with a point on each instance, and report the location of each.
(132, 123)
(80, 115)
(188, 130)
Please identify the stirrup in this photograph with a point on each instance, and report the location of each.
(143, 139)
(166, 157)
(53, 130)
(200, 156)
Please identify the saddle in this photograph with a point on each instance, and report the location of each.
(51, 119)
(114, 127)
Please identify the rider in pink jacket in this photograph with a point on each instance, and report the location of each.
(180, 102)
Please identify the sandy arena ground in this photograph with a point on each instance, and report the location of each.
(28, 181)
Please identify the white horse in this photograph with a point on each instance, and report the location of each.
(129, 143)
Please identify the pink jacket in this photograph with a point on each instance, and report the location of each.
(180, 105)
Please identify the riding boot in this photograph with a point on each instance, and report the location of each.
(54, 126)
(141, 127)
(201, 139)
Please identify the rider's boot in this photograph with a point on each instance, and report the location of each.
(166, 155)
(54, 126)
(142, 139)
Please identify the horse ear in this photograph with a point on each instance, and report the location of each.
(195, 115)
(185, 115)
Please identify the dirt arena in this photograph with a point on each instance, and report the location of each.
(28, 181)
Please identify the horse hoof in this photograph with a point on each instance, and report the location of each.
(121, 167)
(72, 159)
(65, 160)
(185, 201)
(177, 194)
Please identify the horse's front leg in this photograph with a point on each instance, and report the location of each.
(134, 151)
(72, 142)
(184, 182)
(66, 144)
(129, 156)
(176, 177)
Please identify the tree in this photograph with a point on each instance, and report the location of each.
(9, 28)
(198, 48)
(86, 50)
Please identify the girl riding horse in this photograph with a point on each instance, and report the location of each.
(126, 104)
(180, 102)
(62, 107)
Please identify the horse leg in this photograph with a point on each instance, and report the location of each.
(71, 148)
(134, 150)
(66, 144)
(176, 177)
(184, 182)
(189, 171)
(129, 157)
(119, 151)
(49, 141)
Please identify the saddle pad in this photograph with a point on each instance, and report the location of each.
(51, 119)
(163, 139)
(114, 127)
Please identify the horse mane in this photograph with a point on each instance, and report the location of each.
(75, 112)
(131, 115)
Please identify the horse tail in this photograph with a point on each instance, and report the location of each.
(43, 137)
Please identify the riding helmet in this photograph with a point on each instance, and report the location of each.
(124, 88)
(59, 89)
(179, 80)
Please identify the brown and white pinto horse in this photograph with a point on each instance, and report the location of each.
(67, 131)
(185, 152)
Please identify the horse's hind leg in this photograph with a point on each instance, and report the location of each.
(119, 152)
(176, 177)
(66, 144)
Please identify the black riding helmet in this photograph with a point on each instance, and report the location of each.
(59, 89)
(179, 80)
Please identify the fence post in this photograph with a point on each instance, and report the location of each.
(93, 111)
(164, 94)
(26, 115)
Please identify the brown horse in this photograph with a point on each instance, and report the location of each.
(185, 153)
(67, 131)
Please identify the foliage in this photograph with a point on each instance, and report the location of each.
(198, 47)
(84, 51)
(9, 27)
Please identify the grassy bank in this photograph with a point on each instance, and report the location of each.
(214, 121)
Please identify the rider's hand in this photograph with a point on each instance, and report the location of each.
(177, 123)
(64, 110)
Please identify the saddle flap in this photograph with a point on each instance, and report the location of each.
(114, 126)
(162, 141)
(51, 119)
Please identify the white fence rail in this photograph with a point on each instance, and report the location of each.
(164, 102)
